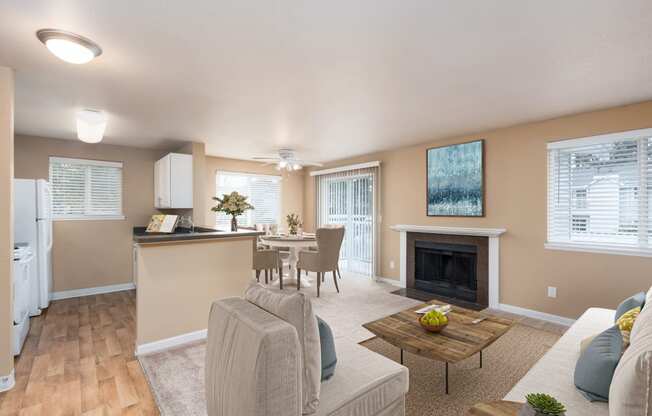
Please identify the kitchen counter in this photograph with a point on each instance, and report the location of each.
(199, 233)
(178, 276)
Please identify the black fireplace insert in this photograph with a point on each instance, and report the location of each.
(448, 270)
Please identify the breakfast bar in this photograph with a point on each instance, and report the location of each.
(178, 276)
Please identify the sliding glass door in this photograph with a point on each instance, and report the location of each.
(349, 199)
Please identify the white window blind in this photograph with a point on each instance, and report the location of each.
(263, 191)
(348, 197)
(85, 189)
(600, 193)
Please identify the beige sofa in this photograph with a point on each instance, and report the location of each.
(553, 373)
(254, 369)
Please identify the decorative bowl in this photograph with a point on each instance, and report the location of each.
(432, 328)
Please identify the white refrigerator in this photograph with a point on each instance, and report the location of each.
(33, 225)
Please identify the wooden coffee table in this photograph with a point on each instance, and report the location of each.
(458, 341)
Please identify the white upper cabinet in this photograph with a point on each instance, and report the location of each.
(173, 181)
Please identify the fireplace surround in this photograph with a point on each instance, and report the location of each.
(486, 241)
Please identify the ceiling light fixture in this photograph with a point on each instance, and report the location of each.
(286, 160)
(68, 46)
(90, 126)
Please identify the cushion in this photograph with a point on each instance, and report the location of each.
(596, 366)
(365, 384)
(586, 342)
(648, 298)
(631, 388)
(248, 350)
(634, 301)
(643, 322)
(328, 357)
(296, 309)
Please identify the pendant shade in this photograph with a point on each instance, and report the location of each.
(90, 126)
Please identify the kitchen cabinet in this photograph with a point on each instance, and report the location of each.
(173, 181)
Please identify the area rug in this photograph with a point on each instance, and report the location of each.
(504, 363)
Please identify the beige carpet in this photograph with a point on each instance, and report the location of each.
(177, 376)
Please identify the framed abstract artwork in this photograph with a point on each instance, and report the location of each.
(455, 185)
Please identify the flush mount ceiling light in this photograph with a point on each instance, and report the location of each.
(90, 125)
(69, 46)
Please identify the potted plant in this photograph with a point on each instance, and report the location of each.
(293, 223)
(232, 204)
(540, 404)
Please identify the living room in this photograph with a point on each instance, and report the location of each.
(465, 211)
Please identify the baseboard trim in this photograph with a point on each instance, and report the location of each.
(76, 293)
(8, 382)
(387, 280)
(530, 313)
(167, 343)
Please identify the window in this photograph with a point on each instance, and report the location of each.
(264, 192)
(600, 193)
(85, 189)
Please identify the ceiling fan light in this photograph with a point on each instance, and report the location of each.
(91, 125)
(282, 164)
(296, 166)
(68, 46)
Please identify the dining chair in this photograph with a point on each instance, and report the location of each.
(339, 274)
(325, 259)
(268, 259)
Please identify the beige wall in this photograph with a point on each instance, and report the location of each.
(292, 186)
(177, 283)
(93, 253)
(6, 217)
(515, 178)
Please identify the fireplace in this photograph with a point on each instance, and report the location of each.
(451, 268)
(448, 270)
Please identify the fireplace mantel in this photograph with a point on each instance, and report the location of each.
(493, 235)
(481, 232)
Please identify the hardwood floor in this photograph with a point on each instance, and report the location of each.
(78, 359)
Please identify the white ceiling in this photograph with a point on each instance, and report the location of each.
(331, 78)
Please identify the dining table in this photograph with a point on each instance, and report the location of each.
(294, 243)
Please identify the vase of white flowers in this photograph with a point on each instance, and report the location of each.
(232, 204)
(293, 223)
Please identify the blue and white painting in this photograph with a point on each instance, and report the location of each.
(455, 180)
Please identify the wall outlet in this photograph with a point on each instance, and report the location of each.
(391, 264)
(552, 292)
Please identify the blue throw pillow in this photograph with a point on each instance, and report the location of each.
(630, 303)
(328, 357)
(595, 367)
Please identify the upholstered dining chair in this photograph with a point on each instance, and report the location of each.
(325, 258)
(268, 259)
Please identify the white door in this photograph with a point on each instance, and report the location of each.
(45, 241)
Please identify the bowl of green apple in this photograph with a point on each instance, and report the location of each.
(433, 321)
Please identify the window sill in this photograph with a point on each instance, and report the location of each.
(600, 249)
(91, 218)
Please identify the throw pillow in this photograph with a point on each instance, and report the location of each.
(631, 388)
(637, 300)
(328, 357)
(648, 299)
(584, 344)
(296, 309)
(595, 367)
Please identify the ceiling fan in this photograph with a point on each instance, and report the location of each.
(287, 160)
